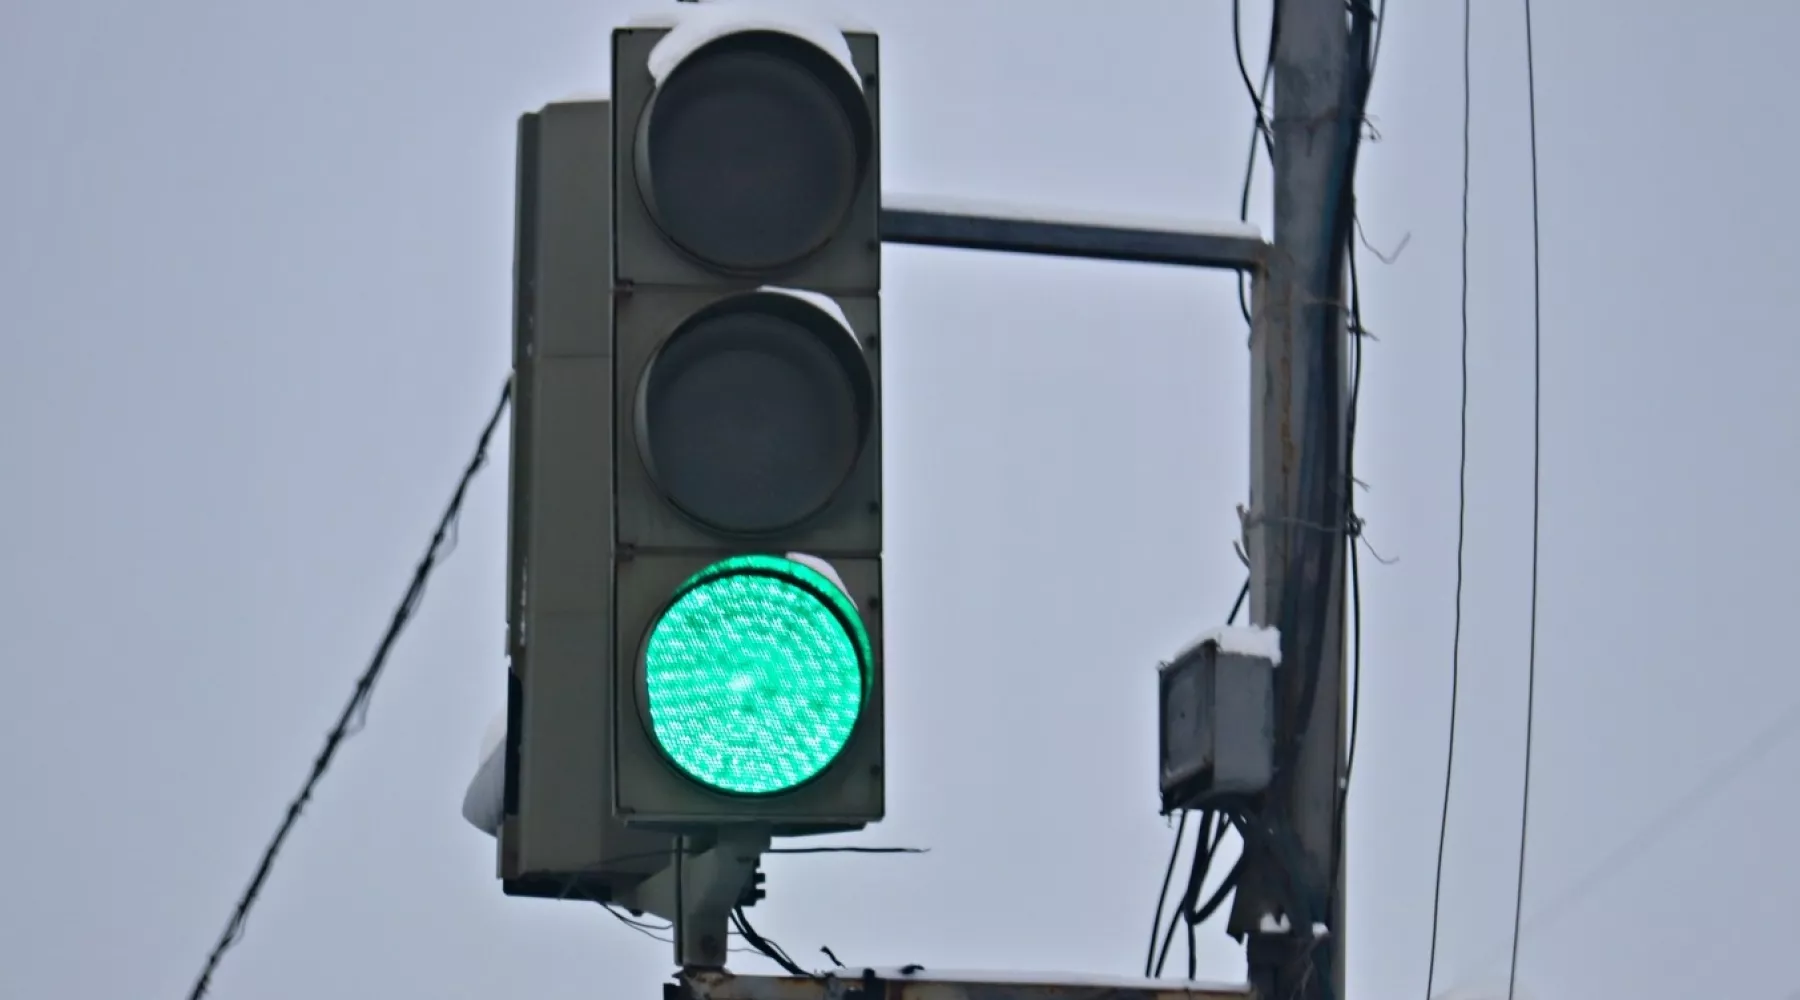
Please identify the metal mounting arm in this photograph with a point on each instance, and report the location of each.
(700, 889)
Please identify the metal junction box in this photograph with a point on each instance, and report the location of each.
(1216, 711)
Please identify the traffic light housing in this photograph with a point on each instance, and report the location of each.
(747, 683)
(558, 835)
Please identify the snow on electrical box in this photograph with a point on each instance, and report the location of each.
(1259, 641)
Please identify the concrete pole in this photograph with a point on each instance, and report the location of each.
(1297, 303)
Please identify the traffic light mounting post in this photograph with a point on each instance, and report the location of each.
(698, 890)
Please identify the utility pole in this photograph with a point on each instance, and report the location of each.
(1298, 521)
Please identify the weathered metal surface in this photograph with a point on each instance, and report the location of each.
(915, 983)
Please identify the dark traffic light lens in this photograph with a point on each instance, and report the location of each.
(753, 677)
(751, 152)
(754, 412)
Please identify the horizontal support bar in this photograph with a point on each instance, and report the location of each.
(1089, 241)
(916, 984)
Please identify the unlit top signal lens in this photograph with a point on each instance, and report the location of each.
(752, 151)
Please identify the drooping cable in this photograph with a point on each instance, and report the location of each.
(1162, 898)
(1206, 844)
(1537, 453)
(1462, 509)
(1190, 911)
(354, 709)
(1357, 335)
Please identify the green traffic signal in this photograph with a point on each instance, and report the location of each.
(755, 675)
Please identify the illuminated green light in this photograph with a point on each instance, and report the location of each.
(754, 676)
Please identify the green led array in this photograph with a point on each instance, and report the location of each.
(755, 675)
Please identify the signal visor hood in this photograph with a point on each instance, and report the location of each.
(697, 25)
(484, 802)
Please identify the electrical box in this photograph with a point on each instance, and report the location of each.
(1217, 717)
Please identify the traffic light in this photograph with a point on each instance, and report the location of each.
(747, 685)
(558, 836)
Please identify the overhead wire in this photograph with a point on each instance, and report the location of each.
(349, 719)
(1537, 478)
(1678, 811)
(1462, 512)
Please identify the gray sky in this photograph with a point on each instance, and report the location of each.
(254, 298)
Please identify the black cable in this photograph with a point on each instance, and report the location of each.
(1258, 129)
(1162, 898)
(642, 926)
(1537, 452)
(1349, 486)
(1256, 98)
(1462, 509)
(1380, 29)
(1205, 847)
(1237, 605)
(1315, 501)
(1205, 912)
(770, 950)
(1356, 661)
(359, 699)
(655, 932)
(1217, 899)
(1310, 558)
(1341, 223)
(1195, 916)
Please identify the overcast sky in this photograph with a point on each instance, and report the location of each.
(255, 267)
